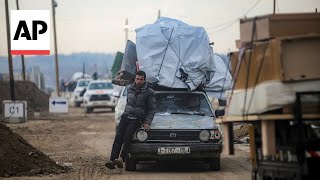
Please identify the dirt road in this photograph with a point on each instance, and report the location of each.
(84, 143)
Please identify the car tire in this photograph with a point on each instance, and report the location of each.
(77, 104)
(89, 110)
(130, 164)
(214, 164)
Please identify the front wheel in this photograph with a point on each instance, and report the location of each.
(214, 164)
(89, 110)
(77, 104)
(130, 164)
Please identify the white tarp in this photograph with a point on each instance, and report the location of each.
(177, 55)
(221, 79)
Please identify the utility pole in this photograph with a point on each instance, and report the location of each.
(159, 14)
(22, 56)
(274, 6)
(13, 97)
(126, 29)
(54, 5)
(83, 70)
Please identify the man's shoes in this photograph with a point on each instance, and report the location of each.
(110, 164)
(119, 163)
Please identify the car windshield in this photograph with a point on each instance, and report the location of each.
(83, 83)
(183, 103)
(101, 85)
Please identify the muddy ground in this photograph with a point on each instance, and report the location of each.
(83, 143)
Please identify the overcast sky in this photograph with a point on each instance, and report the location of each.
(98, 25)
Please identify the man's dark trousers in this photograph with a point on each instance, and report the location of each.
(125, 130)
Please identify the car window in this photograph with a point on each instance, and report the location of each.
(184, 103)
(101, 85)
(83, 83)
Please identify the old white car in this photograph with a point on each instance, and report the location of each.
(183, 128)
(122, 101)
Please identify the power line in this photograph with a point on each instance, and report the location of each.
(250, 9)
(227, 24)
(221, 24)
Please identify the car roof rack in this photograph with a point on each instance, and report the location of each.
(157, 87)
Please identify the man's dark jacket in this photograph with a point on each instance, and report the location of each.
(141, 103)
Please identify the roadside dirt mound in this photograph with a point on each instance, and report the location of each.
(18, 157)
(242, 132)
(37, 100)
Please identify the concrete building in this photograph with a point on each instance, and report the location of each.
(37, 77)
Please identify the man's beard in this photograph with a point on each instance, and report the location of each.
(139, 85)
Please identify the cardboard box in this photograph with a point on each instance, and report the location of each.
(279, 25)
(285, 59)
(240, 44)
(271, 69)
(300, 58)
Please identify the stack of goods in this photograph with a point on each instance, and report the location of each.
(176, 55)
(125, 74)
(279, 56)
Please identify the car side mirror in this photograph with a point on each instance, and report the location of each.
(219, 112)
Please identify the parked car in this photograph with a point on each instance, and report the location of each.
(182, 128)
(77, 93)
(122, 101)
(99, 95)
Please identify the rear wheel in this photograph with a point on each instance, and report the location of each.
(130, 164)
(214, 164)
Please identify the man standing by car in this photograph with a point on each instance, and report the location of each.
(139, 110)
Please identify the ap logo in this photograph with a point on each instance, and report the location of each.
(30, 32)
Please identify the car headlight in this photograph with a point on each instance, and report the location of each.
(204, 135)
(142, 135)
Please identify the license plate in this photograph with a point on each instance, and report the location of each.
(98, 103)
(173, 150)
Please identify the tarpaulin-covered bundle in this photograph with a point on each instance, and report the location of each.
(177, 55)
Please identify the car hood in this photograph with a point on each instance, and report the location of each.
(181, 121)
(99, 91)
(79, 89)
